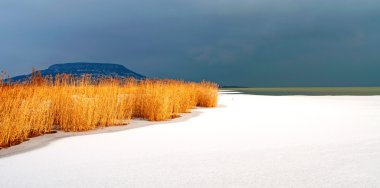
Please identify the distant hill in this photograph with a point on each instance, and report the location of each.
(81, 68)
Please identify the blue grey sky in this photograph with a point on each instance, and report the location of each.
(240, 42)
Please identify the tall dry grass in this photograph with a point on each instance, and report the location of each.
(43, 105)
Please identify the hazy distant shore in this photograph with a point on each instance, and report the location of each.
(310, 91)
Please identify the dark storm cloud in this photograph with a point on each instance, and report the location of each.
(241, 42)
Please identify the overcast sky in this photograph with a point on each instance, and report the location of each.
(232, 42)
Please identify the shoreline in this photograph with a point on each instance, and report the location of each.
(44, 140)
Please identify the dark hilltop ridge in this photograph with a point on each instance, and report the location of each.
(79, 69)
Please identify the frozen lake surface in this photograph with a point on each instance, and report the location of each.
(248, 141)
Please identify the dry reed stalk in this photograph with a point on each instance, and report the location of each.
(24, 112)
(207, 94)
(41, 105)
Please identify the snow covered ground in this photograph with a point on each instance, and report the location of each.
(249, 141)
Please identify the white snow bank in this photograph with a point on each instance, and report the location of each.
(249, 141)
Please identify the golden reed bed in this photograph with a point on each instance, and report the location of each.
(43, 105)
